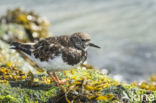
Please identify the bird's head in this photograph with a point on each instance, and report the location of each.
(81, 40)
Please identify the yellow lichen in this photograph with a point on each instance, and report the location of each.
(153, 78)
(147, 85)
(105, 97)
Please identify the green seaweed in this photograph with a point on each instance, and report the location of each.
(9, 94)
(43, 93)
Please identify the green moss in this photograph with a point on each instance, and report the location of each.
(8, 99)
(9, 94)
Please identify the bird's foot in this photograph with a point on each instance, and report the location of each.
(56, 79)
(61, 82)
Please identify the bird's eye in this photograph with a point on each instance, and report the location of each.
(87, 39)
(83, 40)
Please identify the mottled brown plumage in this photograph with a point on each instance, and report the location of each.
(45, 50)
(51, 47)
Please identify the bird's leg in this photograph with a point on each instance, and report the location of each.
(59, 82)
(53, 78)
(56, 79)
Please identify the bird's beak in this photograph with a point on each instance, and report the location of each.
(93, 45)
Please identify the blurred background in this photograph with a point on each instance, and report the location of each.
(125, 30)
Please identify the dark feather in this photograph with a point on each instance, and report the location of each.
(26, 48)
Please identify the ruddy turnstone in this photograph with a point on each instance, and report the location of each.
(57, 53)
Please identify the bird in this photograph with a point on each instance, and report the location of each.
(57, 53)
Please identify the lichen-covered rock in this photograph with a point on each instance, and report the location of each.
(34, 26)
(12, 31)
(23, 26)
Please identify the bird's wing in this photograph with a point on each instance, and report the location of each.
(24, 47)
(45, 50)
(72, 56)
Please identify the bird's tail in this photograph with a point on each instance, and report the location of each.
(26, 48)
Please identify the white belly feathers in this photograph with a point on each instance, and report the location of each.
(55, 64)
